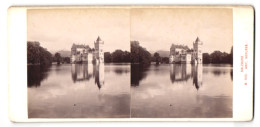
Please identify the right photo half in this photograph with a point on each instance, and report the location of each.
(181, 62)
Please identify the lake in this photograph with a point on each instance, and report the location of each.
(79, 91)
(181, 91)
(124, 91)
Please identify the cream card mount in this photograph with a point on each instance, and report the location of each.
(131, 63)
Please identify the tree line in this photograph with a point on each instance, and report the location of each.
(118, 56)
(40, 56)
(59, 59)
(218, 57)
(37, 54)
(138, 54)
(141, 56)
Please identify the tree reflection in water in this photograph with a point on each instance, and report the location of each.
(138, 73)
(84, 72)
(36, 74)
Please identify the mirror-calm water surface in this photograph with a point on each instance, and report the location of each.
(124, 90)
(79, 91)
(181, 91)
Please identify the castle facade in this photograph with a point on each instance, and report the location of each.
(182, 54)
(84, 54)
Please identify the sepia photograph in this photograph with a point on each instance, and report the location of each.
(137, 62)
(181, 63)
(78, 63)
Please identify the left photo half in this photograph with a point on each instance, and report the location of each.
(78, 63)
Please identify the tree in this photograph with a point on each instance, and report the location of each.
(58, 58)
(45, 57)
(117, 56)
(126, 56)
(165, 60)
(66, 59)
(218, 57)
(107, 57)
(120, 56)
(134, 52)
(37, 54)
(157, 57)
(139, 54)
(206, 58)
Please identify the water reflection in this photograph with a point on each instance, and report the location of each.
(36, 74)
(183, 72)
(138, 73)
(84, 72)
(180, 72)
(181, 91)
(121, 71)
(99, 75)
(197, 76)
(79, 91)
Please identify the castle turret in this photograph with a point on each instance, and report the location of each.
(197, 47)
(99, 50)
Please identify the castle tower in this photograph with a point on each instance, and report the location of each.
(197, 47)
(99, 50)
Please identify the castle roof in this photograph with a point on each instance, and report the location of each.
(198, 40)
(99, 40)
(80, 46)
(180, 46)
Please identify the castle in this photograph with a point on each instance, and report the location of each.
(84, 54)
(182, 54)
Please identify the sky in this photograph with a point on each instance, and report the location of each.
(58, 29)
(157, 29)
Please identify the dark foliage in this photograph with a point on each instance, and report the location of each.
(157, 58)
(107, 57)
(66, 59)
(139, 54)
(58, 58)
(138, 72)
(117, 56)
(35, 74)
(218, 57)
(165, 60)
(37, 54)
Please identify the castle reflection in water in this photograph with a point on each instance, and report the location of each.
(183, 72)
(84, 72)
(178, 73)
